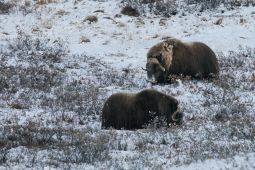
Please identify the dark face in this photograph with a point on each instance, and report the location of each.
(155, 72)
(171, 110)
(178, 118)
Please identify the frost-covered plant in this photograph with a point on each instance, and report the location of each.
(82, 99)
(205, 4)
(157, 122)
(102, 75)
(43, 2)
(86, 149)
(30, 68)
(243, 59)
(70, 146)
(157, 7)
(212, 4)
(37, 51)
(36, 78)
(227, 100)
(5, 7)
(171, 7)
(36, 63)
(238, 67)
(25, 7)
(235, 78)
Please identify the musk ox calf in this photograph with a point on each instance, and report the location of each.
(174, 57)
(134, 110)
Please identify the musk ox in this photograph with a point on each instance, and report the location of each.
(174, 57)
(134, 110)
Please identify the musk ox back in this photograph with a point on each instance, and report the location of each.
(133, 110)
(174, 57)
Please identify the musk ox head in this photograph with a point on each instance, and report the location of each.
(169, 106)
(155, 70)
(159, 59)
(133, 110)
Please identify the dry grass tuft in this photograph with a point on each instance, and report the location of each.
(5, 7)
(43, 2)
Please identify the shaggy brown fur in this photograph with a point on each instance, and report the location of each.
(193, 59)
(133, 110)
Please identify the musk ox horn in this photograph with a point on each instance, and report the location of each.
(156, 61)
(151, 81)
(174, 114)
(162, 68)
(144, 69)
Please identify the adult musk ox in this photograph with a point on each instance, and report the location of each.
(174, 57)
(134, 110)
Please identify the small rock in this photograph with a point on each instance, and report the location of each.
(47, 25)
(5, 33)
(166, 37)
(84, 39)
(219, 21)
(105, 43)
(162, 22)
(96, 11)
(155, 36)
(18, 105)
(61, 12)
(120, 24)
(130, 11)
(91, 18)
(140, 22)
(242, 20)
(35, 29)
(203, 19)
(118, 16)
(148, 1)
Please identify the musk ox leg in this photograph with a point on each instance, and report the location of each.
(105, 124)
(213, 76)
(199, 75)
(107, 118)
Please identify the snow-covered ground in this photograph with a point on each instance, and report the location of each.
(107, 56)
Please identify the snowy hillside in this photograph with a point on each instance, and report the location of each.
(60, 61)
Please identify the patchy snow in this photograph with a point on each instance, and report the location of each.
(237, 162)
